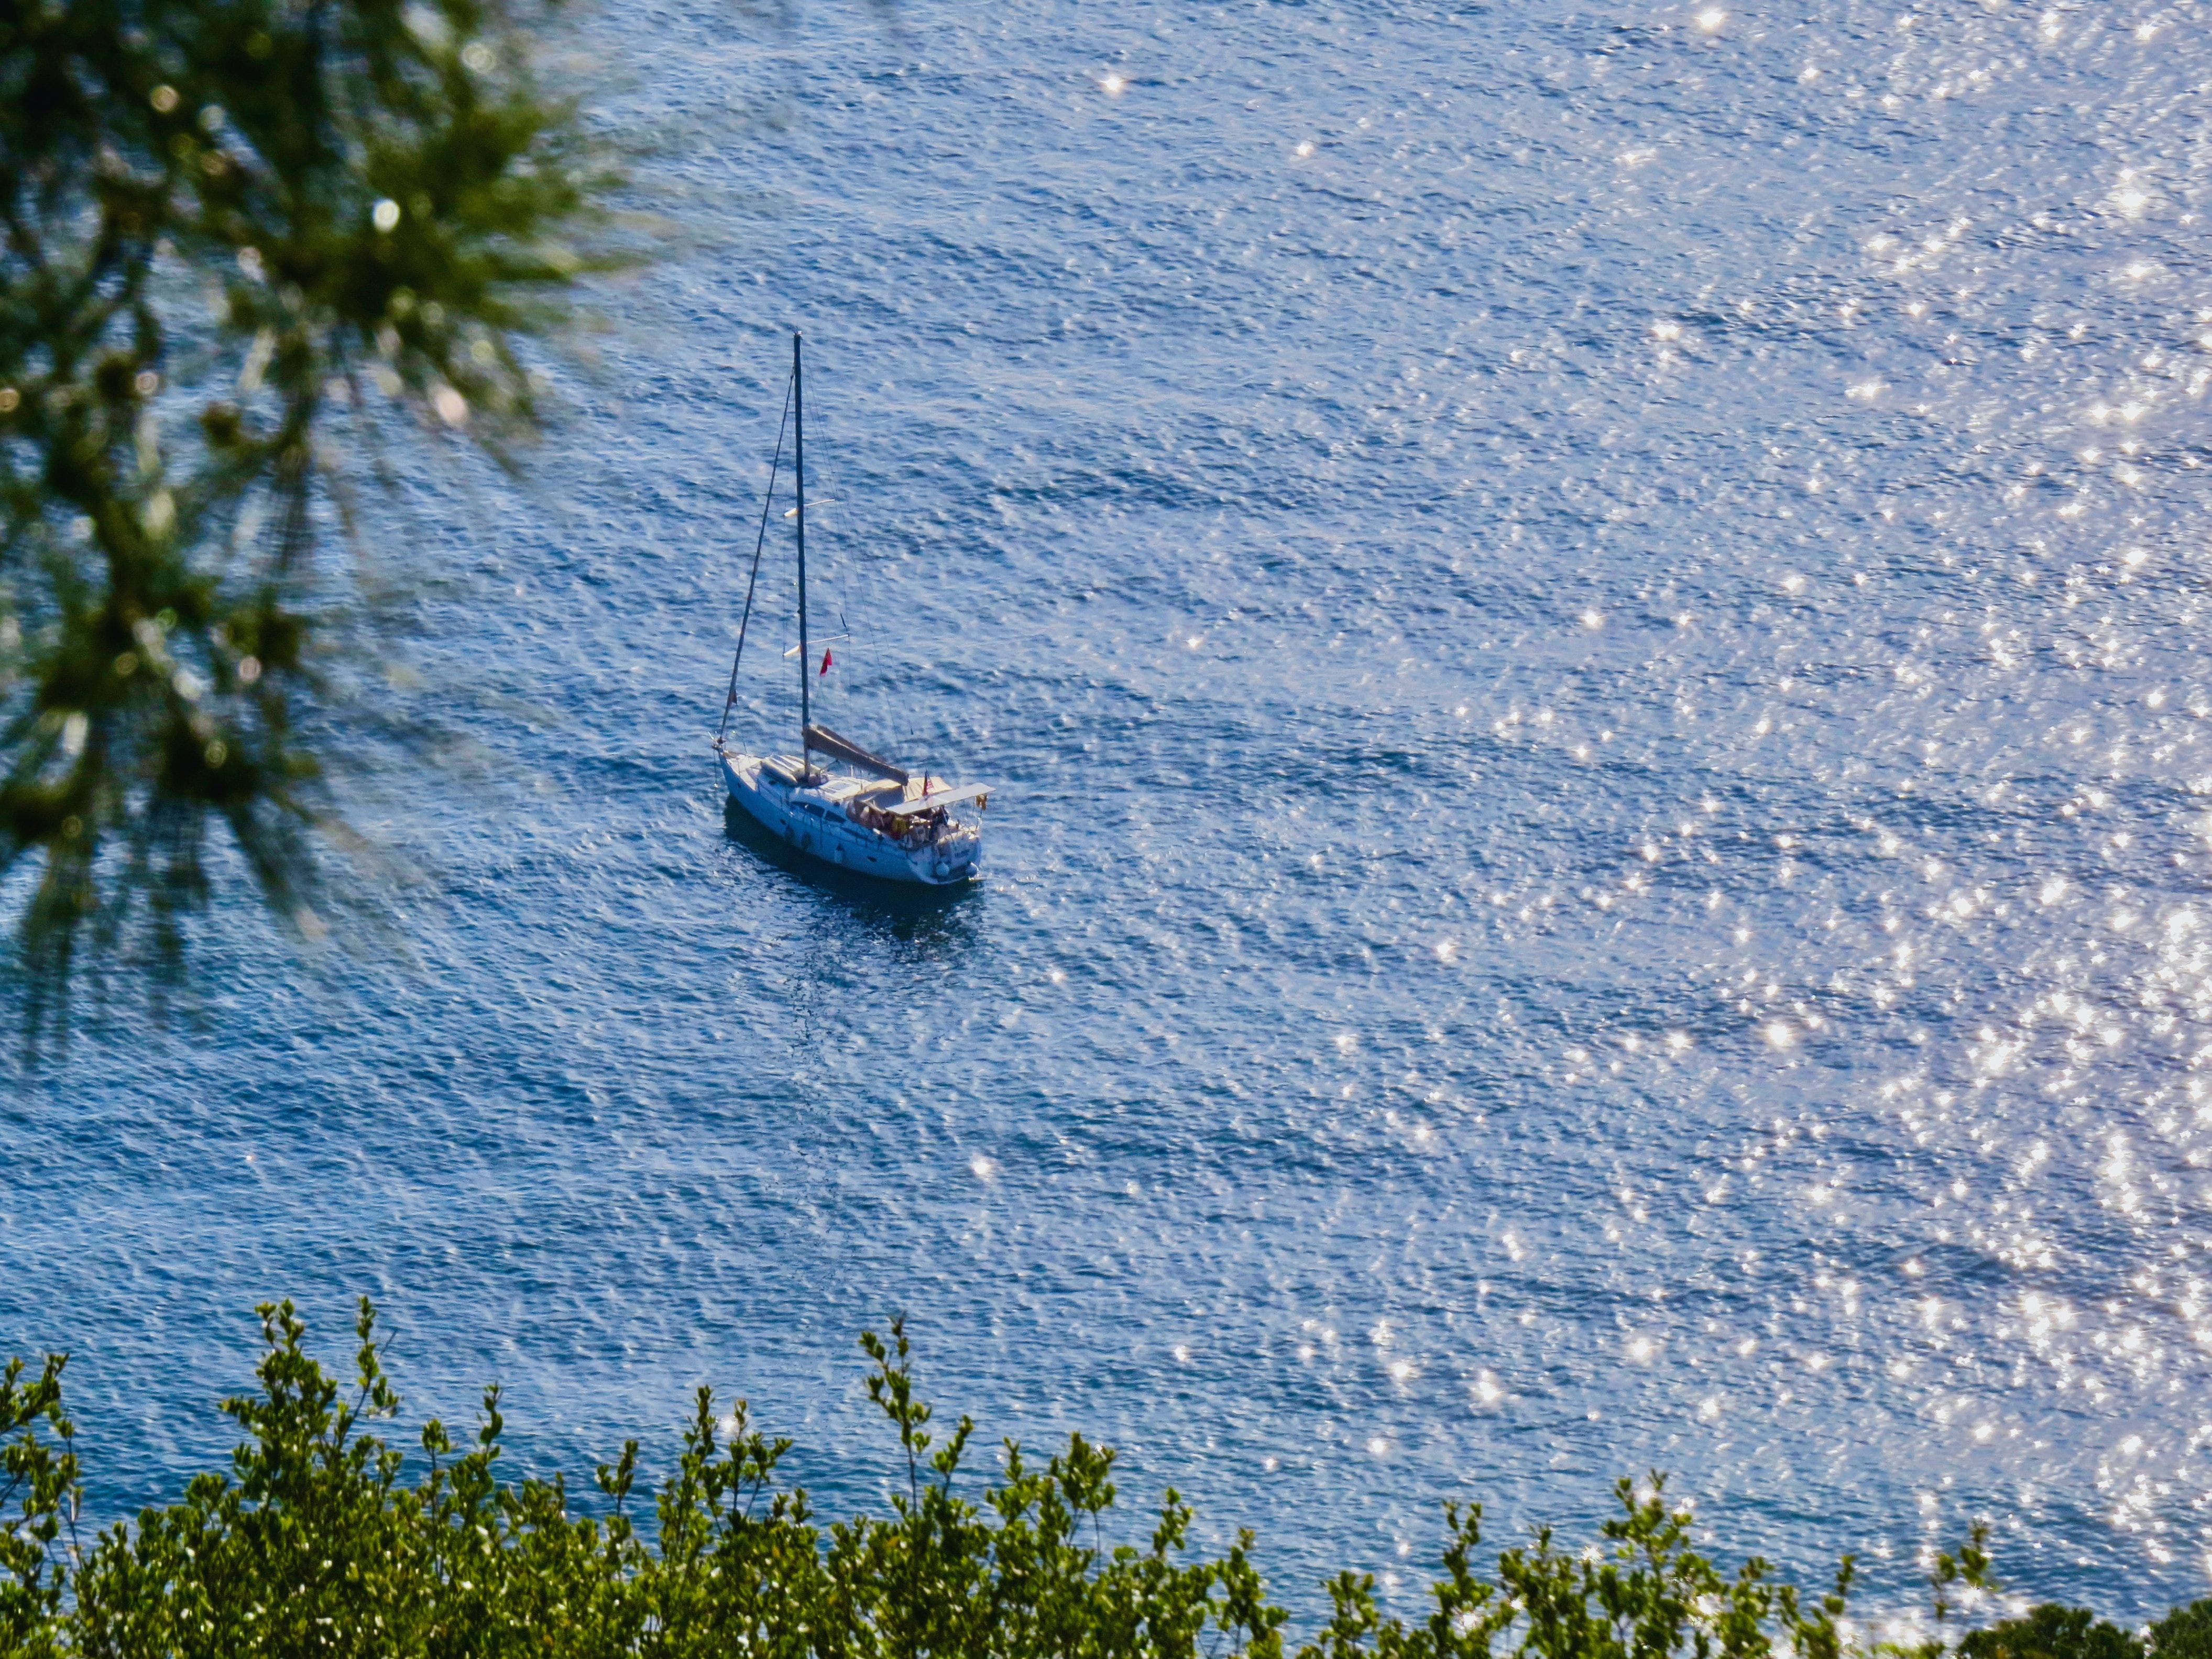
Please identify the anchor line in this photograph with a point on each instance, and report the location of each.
(768, 502)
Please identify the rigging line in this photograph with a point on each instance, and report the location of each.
(759, 542)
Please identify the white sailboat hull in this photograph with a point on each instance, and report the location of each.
(813, 820)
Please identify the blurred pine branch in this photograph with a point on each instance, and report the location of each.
(245, 241)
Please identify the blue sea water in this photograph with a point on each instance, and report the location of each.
(1588, 620)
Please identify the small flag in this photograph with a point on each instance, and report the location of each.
(825, 664)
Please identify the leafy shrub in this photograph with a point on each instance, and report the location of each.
(321, 1538)
(2051, 1631)
(2184, 1633)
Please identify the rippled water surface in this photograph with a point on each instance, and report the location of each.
(1589, 624)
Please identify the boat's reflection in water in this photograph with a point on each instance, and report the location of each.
(925, 917)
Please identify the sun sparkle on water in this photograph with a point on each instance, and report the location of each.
(1596, 683)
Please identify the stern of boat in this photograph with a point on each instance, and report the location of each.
(951, 859)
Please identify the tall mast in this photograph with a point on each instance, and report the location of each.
(798, 453)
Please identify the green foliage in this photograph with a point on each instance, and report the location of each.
(2051, 1631)
(322, 1539)
(1648, 1594)
(240, 241)
(2184, 1633)
(1970, 1567)
(314, 1542)
(37, 1505)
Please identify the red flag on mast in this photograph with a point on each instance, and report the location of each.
(825, 664)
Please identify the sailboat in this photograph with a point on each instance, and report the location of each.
(872, 816)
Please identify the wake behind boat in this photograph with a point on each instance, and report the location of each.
(875, 817)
